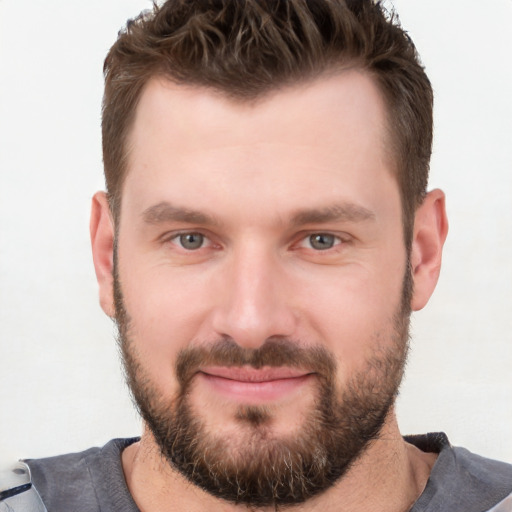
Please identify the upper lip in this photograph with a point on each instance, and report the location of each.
(249, 374)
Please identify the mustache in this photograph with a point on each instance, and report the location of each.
(275, 352)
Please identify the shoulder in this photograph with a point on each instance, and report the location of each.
(461, 480)
(63, 480)
(80, 481)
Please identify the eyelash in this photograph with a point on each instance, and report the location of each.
(176, 239)
(306, 240)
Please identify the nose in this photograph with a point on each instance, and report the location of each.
(254, 301)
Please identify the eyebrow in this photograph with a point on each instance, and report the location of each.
(346, 212)
(166, 212)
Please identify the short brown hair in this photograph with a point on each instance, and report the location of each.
(246, 48)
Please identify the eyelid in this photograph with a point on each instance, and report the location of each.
(301, 239)
(204, 241)
(304, 237)
(173, 236)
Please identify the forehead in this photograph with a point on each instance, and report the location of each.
(327, 104)
(314, 136)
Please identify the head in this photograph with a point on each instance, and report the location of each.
(266, 234)
(245, 50)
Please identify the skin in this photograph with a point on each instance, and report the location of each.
(260, 178)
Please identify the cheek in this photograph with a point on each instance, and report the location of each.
(166, 311)
(353, 310)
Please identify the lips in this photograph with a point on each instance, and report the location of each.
(247, 374)
(250, 385)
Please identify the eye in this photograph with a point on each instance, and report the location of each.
(191, 241)
(322, 241)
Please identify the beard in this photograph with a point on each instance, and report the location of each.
(260, 468)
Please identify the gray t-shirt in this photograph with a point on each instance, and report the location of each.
(93, 481)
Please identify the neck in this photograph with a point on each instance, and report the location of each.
(389, 476)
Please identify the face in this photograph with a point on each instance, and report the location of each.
(262, 284)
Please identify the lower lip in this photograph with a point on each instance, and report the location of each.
(255, 392)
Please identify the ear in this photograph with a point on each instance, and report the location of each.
(102, 241)
(430, 230)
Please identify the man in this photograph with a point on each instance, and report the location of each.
(265, 235)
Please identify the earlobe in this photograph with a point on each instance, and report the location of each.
(102, 241)
(430, 230)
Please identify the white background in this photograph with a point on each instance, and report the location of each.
(61, 387)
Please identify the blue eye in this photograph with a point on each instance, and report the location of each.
(191, 241)
(322, 241)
